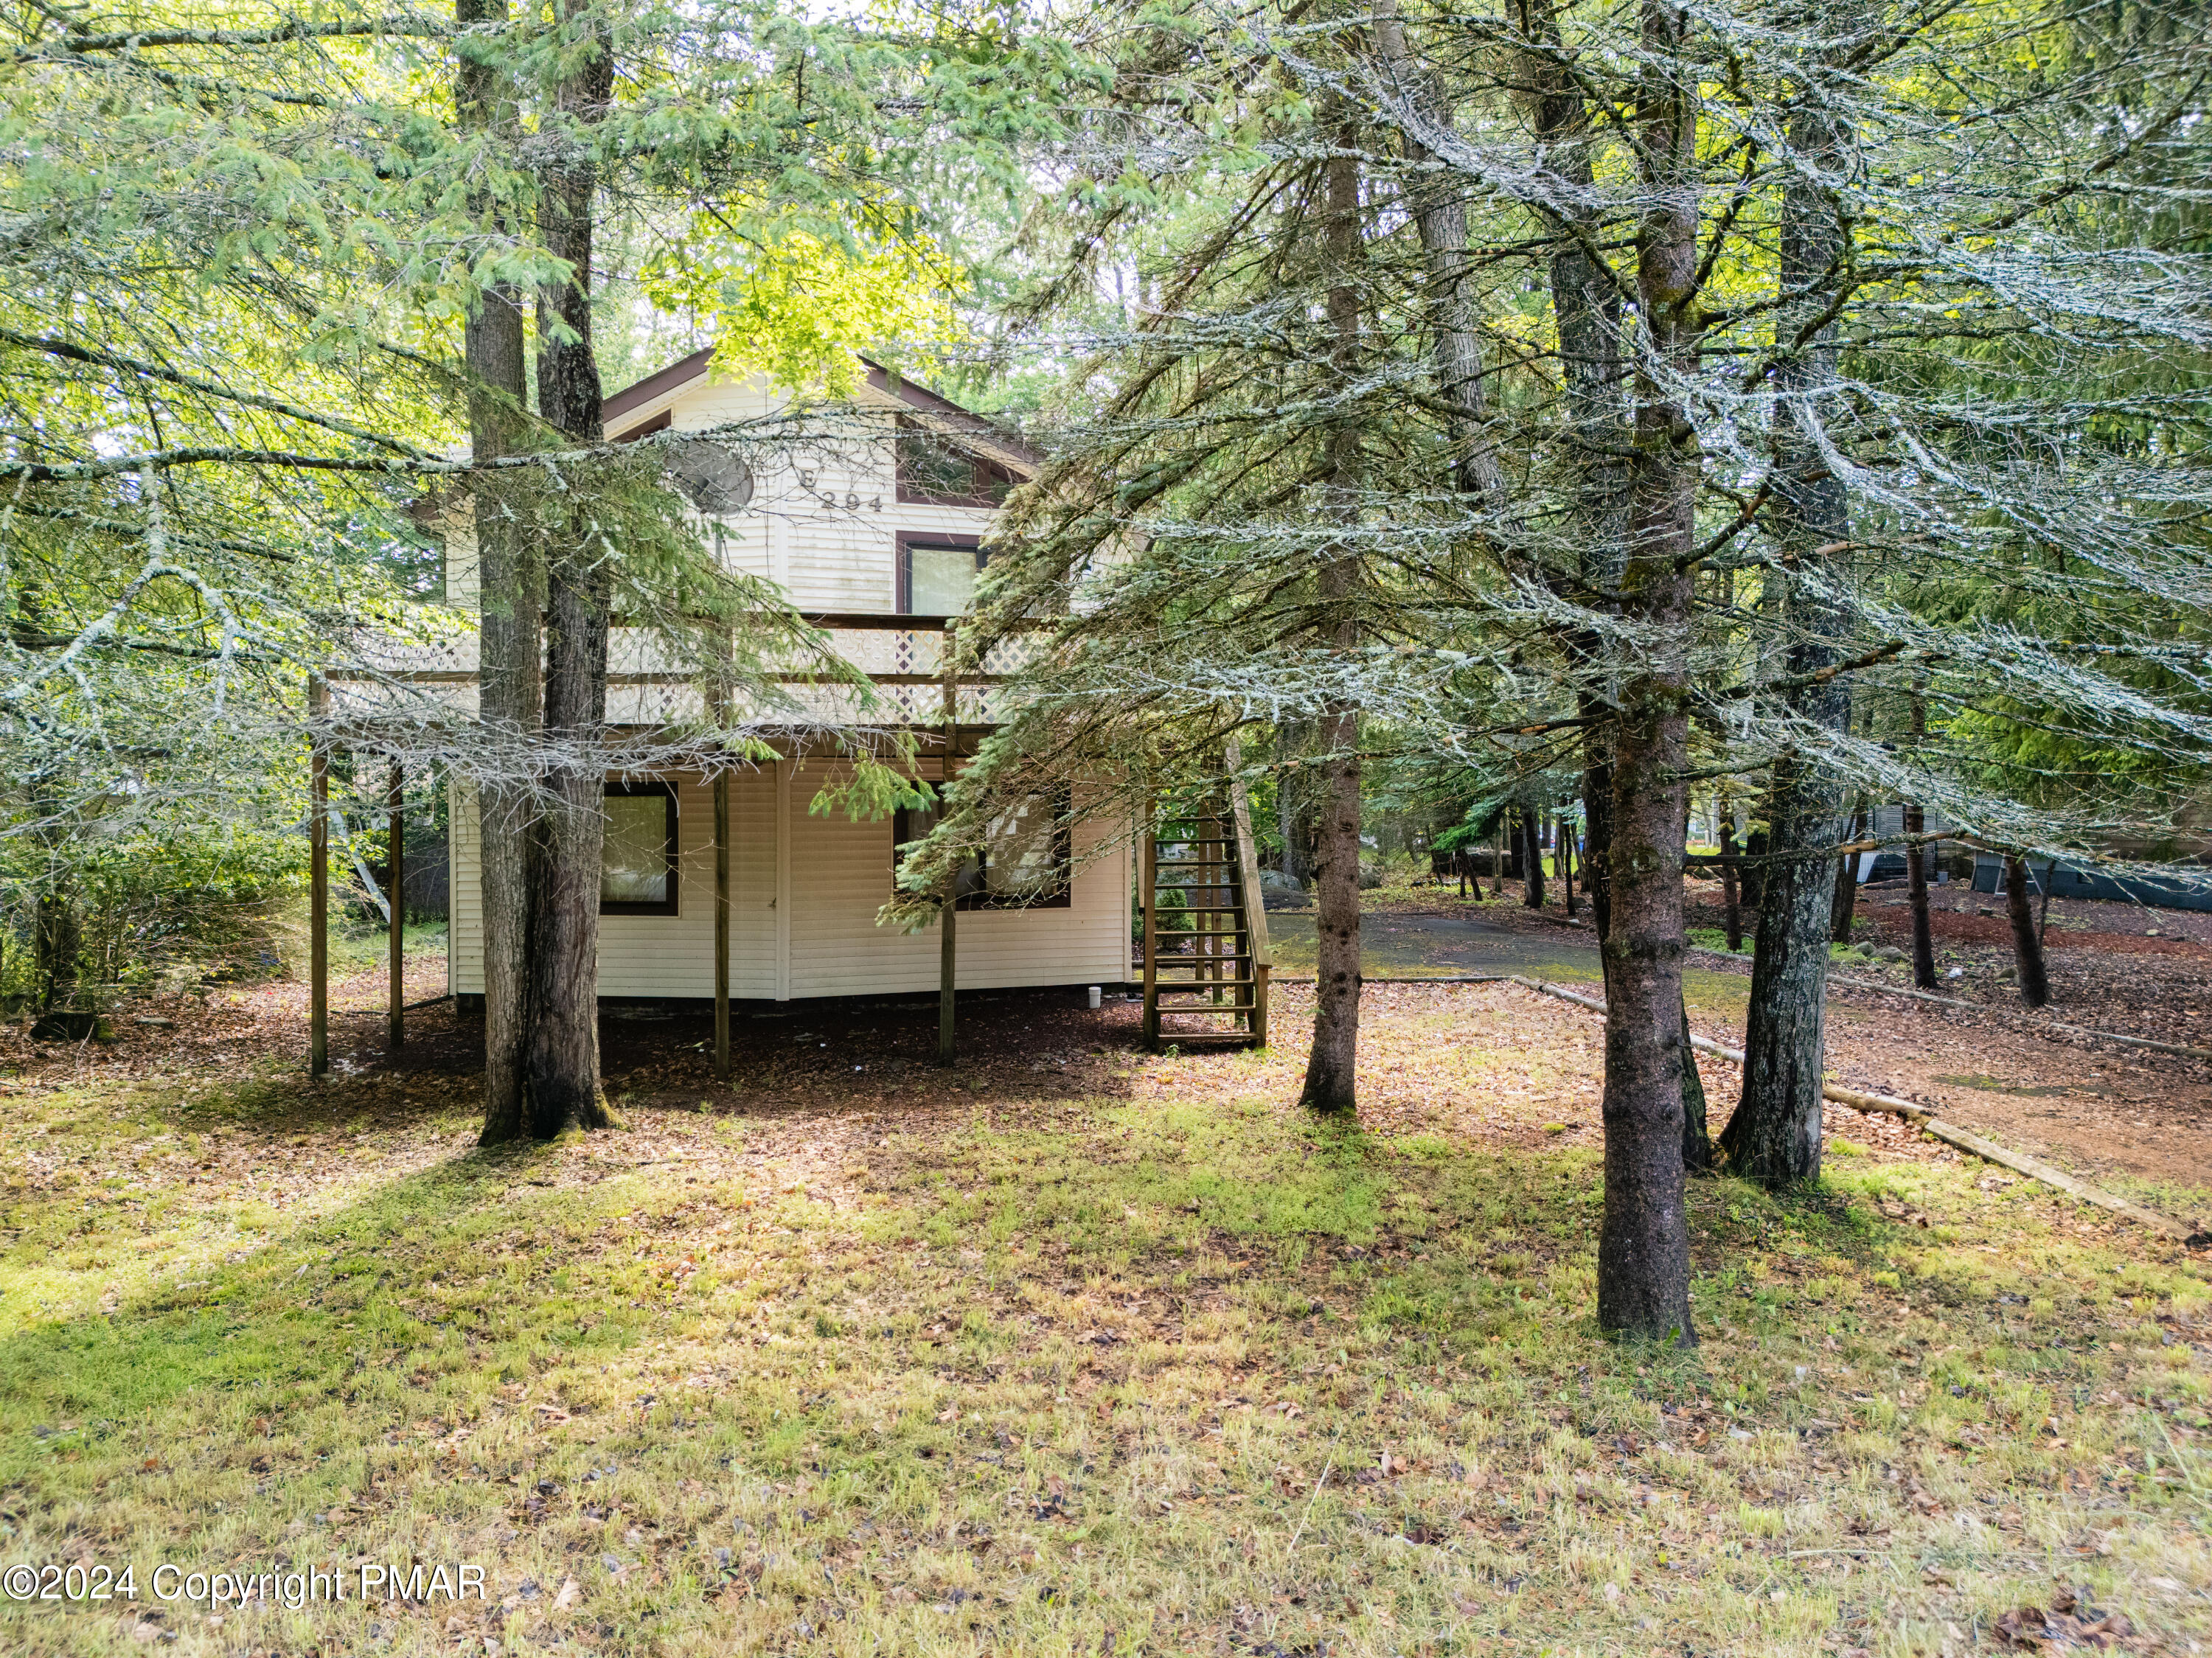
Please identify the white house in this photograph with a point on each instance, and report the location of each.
(875, 532)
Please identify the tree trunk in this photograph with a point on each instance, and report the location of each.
(1843, 899)
(1643, 1265)
(1643, 1245)
(1532, 860)
(1567, 865)
(1915, 886)
(1775, 1134)
(1697, 1145)
(1331, 1065)
(510, 584)
(564, 1042)
(1597, 808)
(1440, 215)
(1915, 870)
(2026, 947)
(1731, 891)
(57, 947)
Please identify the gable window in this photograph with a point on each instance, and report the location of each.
(937, 574)
(1025, 862)
(934, 471)
(637, 859)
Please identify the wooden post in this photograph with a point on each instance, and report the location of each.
(722, 926)
(318, 883)
(718, 705)
(395, 804)
(1256, 902)
(948, 956)
(1215, 898)
(1148, 884)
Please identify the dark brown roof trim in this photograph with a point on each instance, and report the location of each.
(614, 408)
(914, 396)
(959, 419)
(659, 422)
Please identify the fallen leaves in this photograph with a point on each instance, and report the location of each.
(2070, 1622)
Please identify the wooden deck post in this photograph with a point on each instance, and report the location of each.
(722, 926)
(1260, 950)
(395, 802)
(318, 883)
(947, 949)
(1148, 894)
(718, 706)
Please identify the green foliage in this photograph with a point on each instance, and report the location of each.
(160, 904)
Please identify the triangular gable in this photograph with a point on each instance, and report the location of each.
(889, 389)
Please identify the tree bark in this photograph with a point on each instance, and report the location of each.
(564, 1038)
(2026, 947)
(1916, 887)
(1697, 1145)
(1731, 890)
(510, 585)
(1597, 835)
(1843, 901)
(1532, 860)
(57, 945)
(1775, 1134)
(1440, 215)
(1916, 870)
(1567, 864)
(1331, 1065)
(1644, 1244)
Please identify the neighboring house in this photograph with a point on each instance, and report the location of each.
(875, 532)
(2068, 882)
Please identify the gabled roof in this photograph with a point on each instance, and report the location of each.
(612, 408)
(943, 413)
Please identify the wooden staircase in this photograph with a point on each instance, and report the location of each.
(1205, 955)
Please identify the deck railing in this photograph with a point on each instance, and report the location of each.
(902, 656)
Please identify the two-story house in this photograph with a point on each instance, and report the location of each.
(876, 533)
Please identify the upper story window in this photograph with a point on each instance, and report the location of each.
(937, 574)
(934, 471)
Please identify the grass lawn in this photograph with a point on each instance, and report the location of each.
(1145, 1360)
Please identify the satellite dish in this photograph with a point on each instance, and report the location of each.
(715, 480)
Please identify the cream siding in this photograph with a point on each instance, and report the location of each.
(803, 909)
(825, 512)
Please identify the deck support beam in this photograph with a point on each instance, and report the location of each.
(395, 805)
(722, 926)
(318, 883)
(948, 958)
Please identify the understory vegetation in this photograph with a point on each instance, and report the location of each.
(1144, 1360)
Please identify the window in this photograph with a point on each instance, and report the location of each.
(937, 574)
(934, 471)
(637, 860)
(1025, 861)
(911, 823)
